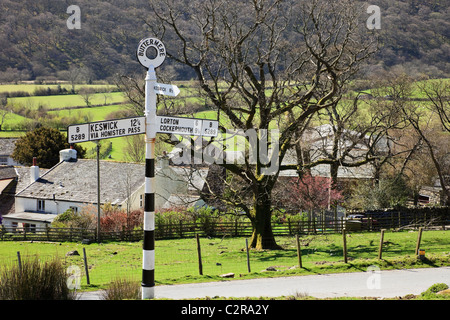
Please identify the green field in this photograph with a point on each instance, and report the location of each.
(30, 88)
(65, 101)
(177, 260)
(93, 113)
(74, 109)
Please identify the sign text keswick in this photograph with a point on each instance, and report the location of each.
(106, 129)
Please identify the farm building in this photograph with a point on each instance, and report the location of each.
(72, 184)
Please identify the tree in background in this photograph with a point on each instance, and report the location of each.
(308, 193)
(387, 193)
(428, 119)
(44, 144)
(264, 65)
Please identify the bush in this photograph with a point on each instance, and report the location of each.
(122, 289)
(85, 219)
(119, 220)
(35, 281)
(430, 293)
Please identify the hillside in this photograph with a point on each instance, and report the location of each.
(37, 45)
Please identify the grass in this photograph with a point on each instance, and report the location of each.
(93, 113)
(64, 101)
(30, 88)
(177, 260)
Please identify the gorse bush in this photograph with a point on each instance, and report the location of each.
(35, 280)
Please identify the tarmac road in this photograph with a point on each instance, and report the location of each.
(372, 283)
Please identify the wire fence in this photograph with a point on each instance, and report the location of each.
(186, 250)
(182, 259)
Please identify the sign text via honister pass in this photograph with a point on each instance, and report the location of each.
(106, 129)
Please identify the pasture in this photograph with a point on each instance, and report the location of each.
(177, 259)
(61, 110)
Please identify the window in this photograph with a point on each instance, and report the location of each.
(41, 205)
(28, 227)
(74, 209)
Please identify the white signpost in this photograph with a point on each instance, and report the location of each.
(105, 129)
(166, 89)
(150, 124)
(187, 126)
(154, 124)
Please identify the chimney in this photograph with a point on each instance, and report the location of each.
(34, 171)
(68, 155)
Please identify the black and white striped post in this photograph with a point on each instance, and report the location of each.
(148, 263)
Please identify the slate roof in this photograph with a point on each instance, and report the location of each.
(76, 181)
(31, 216)
(7, 146)
(7, 172)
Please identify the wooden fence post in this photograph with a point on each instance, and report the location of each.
(419, 238)
(86, 266)
(335, 219)
(299, 252)
(19, 261)
(248, 256)
(344, 238)
(380, 249)
(200, 267)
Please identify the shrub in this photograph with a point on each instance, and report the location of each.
(430, 293)
(122, 289)
(85, 219)
(35, 281)
(115, 220)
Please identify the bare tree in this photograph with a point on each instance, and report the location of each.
(134, 91)
(87, 94)
(134, 149)
(422, 120)
(438, 93)
(265, 65)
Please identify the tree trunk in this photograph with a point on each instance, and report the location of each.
(262, 236)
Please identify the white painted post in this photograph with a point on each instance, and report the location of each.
(148, 272)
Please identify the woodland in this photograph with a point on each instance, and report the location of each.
(37, 45)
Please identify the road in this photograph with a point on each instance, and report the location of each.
(376, 283)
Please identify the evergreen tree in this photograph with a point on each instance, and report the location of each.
(44, 144)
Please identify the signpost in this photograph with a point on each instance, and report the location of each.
(154, 124)
(166, 89)
(150, 124)
(105, 129)
(188, 126)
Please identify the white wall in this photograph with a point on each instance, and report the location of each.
(54, 207)
(9, 161)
